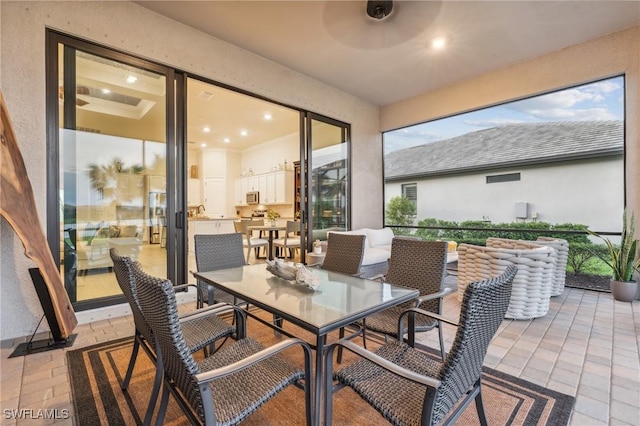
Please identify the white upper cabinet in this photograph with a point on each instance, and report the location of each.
(274, 188)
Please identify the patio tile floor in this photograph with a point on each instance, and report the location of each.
(588, 346)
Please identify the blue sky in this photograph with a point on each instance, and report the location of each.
(601, 100)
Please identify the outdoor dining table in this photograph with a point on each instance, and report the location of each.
(271, 229)
(339, 301)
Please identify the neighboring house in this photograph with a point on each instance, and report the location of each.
(555, 172)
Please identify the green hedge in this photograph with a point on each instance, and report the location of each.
(583, 254)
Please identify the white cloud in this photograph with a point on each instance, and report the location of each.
(588, 114)
(492, 122)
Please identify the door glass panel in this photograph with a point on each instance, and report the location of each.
(237, 144)
(112, 170)
(328, 194)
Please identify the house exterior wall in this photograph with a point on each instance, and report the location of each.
(131, 28)
(577, 192)
(603, 57)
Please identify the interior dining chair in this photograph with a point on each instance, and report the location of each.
(290, 242)
(213, 252)
(416, 264)
(250, 242)
(200, 331)
(225, 388)
(409, 386)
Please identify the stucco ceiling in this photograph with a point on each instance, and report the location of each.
(390, 60)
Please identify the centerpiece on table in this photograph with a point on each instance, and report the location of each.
(273, 216)
(293, 272)
(623, 260)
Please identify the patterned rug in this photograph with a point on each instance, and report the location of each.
(97, 371)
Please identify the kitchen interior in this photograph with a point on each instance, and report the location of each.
(240, 160)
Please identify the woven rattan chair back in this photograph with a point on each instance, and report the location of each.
(418, 264)
(344, 253)
(213, 252)
(482, 310)
(124, 276)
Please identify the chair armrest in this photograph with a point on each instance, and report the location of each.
(379, 277)
(420, 300)
(422, 312)
(216, 309)
(183, 286)
(207, 376)
(378, 360)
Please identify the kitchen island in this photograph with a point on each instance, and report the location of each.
(206, 225)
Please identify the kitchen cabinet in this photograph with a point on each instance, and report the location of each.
(208, 226)
(274, 188)
(283, 187)
(214, 163)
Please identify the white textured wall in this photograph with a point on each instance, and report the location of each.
(600, 58)
(576, 192)
(131, 28)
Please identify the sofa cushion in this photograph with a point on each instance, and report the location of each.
(380, 237)
(374, 255)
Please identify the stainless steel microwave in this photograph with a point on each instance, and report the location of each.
(253, 197)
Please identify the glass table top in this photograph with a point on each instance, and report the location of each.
(340, 299)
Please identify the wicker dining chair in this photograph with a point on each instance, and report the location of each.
(416, 264)
(344, 253)
(410, 387)
(200, 332)
(228, 386)
(213, 252)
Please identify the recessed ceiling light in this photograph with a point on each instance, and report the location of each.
(206, 129)
(106, 91)
(267, 116)
(438, 43)
(243, 133)
(132, 79)
(204, 145)
(226, 140)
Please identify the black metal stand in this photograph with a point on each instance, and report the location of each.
(56, 341)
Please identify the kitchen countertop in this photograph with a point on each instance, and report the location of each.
(201, 218)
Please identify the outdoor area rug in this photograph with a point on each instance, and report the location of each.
(97, 371)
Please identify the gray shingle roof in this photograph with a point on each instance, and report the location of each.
(508, 145)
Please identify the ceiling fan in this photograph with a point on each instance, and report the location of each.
(80, 90)
(376, 24)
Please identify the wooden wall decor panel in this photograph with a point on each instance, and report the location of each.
(18, 207)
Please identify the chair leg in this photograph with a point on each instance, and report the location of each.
(132, 362)
(163, 405)
(364, 333)
(340, 336)
(155, 390)
(442, 352)
(480, 407)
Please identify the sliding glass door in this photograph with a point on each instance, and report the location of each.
(111, 142)
(327, 177)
